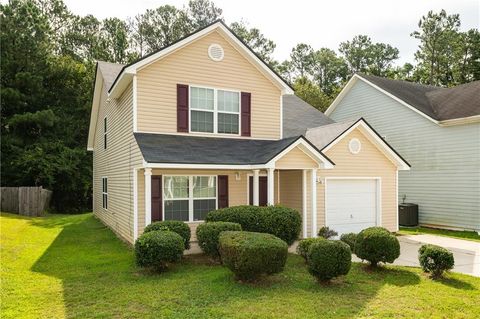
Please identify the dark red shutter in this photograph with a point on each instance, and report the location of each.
(222, 191)
(246, 113)
(182, 108)
(157, 203)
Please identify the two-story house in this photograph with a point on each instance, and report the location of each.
(204, 123)
(437, 130)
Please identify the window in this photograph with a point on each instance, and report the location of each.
(189, 198)
(104, 192)
(214, 111)
(105, 133)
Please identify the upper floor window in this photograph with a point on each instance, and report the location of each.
(105, 133)
(214, 111)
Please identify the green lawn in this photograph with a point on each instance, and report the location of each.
(74, 267)
(467, 235)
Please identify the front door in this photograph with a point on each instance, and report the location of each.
(262, 190)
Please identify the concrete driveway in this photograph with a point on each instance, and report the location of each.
(466, 253)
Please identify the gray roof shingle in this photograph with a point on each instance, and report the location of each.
(324, 135)
(436, 102)
(180, 149)
(298, 116)
(109, 72)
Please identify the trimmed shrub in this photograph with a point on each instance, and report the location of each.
(176, 226)
(156, 249)
(376, 244)
(304, 246)
(207, 236)
(327, 259)
(435, 260)
(326, 232)
(282, 222)
(349, 239)
(249, 255)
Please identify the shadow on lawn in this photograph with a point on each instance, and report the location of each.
(99, 278)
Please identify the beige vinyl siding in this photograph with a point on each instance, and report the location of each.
(157, 95)
(116, 163)
(370, 162)
(291, 190)
(296, 158)
(445, 175)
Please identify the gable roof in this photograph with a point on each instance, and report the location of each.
(298, 116)
(127, 71)
(438, 104)
(109, 71)
(325, 137)
(182, 149)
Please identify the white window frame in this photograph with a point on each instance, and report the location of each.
(104, 193)
(215, 110)
(105, 131)
(190, 197)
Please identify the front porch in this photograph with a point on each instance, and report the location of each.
(189, 192)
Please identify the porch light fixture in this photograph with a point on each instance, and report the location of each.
(237, 176)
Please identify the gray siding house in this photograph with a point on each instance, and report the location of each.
(437, 130)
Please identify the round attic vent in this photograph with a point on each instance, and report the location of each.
(215, 52)
(354, 146)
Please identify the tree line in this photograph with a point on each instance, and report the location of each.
(48, 59)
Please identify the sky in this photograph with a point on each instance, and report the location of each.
(318, 23)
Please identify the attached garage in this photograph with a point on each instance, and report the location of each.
(352, 204)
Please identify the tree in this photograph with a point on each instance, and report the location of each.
(311, 93)
(364, 56)
(201, 13)
(328, 70)
(438, 35)
(301, 59)
(262, 46)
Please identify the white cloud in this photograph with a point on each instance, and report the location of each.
(318, 23)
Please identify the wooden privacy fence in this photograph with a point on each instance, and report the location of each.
(28, 201)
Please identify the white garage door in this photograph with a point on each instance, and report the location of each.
(351, 204)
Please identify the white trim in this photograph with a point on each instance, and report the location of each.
(396, 200)
(270, 186)
(134, 103)
(215, 110)
(199, 134)
(313, 173)
(104, 199)
(190, 197)
(105, 132)
(304, 146)
(255, 191)
(353, 80)
(397, 160)
(281, 116)
(260, 174)
(378, 185)
(135, 204)
(97, 92)
(304, 203)
(148, 196)
(132, 69)
(203, 166)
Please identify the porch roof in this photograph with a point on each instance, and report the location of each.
(180, 149)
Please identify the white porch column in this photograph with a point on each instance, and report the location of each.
(313, 172)
(304, 202)
(148, 196)
(270, 186)
(255, 186)
(135, 204)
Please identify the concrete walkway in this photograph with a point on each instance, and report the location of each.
(466, 253)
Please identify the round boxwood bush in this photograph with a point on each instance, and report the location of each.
(249, 255)
(327, 259)
(435, 260)
(176, 226)
(376, 244)
(282, 222)
(349, 239)
(207, 236)
(156, 249)
(304, 246)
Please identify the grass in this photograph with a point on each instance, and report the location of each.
(74, 267)
(467, 235)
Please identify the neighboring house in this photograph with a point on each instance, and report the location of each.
(437, 130)
(204, 124)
